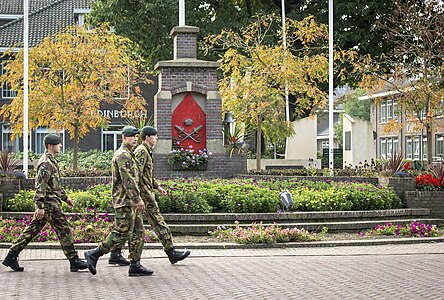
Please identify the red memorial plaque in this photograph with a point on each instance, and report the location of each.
(189, 124)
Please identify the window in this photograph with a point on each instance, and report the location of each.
(389, 145)
(6, 90)
(8, 144)
(440, 146)
(111, 137)
(40, 134)
(383, 113)
(416, 147)
(389, 110)
(347, 140)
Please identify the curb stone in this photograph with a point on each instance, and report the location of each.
(388, 241)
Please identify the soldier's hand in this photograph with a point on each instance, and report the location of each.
(161, 190)
(70, 202)
(140, 206)
(39, 213)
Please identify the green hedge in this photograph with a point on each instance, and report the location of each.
(236, 196)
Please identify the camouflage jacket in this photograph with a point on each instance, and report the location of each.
(48, 187)
(125, 174)
(147, 183)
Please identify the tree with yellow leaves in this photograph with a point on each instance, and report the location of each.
(414, 68)
(71, 75)
(256, 69)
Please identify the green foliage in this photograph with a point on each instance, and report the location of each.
(97, 198)
(23, 201)
(345, 196)
(149, 22)
(359, 109)
(236, 196)
(92, 161)
(8, 163)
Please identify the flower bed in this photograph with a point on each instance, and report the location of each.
(90, 228)
(414, 229)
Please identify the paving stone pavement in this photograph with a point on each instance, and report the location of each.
(412, 271)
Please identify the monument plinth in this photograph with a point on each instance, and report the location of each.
(188, 110)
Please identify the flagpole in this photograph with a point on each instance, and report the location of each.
(25, 85)
(284, 36)
(181, 12)
(330, 87)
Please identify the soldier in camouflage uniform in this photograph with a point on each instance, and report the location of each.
(147, 184)
(128, 207)
(48, 197)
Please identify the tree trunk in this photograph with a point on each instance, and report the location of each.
(429, 144)
(259, 142)
(75, 153)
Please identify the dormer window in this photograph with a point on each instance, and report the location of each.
(6, 18)
(79, 15)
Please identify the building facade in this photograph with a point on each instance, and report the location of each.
(405, 137)
(47, 17)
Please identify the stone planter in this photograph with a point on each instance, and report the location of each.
(177, 166)
(432, 200)
(399, 184)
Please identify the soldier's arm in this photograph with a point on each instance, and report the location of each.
(141, 157)
(128, 175)
(41, 184)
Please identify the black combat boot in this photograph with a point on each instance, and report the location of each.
(12, 262)
(136, 269)
(77, 264)
(92, 256)
(175, 255)
(116, 258)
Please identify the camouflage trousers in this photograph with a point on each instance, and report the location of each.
(55, 217)
(128, 226)
(158, 224)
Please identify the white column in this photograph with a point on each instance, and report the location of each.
(25, 86)
(181, 12)
(330, 86)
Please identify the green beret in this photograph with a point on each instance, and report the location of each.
(147, 131)
(52, 139)
(130, 131)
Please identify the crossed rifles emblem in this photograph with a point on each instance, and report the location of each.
(183, 135)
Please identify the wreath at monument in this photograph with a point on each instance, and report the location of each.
(181, 157)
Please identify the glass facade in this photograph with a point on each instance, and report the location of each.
(40, 134)
(6, 90)
(111, 137)
(9, 144)
(389, 146)
(416, 147)
(389, 110)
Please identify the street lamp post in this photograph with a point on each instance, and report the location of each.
(25, 85)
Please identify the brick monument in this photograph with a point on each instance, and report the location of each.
(188, 109)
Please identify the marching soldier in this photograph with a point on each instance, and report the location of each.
(128, 206)
(48, 197)
(147, 184)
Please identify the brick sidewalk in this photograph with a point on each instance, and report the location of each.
(372, 272)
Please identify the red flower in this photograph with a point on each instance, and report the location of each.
(407, 166)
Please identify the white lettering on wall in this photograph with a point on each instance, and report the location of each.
(115, 113)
